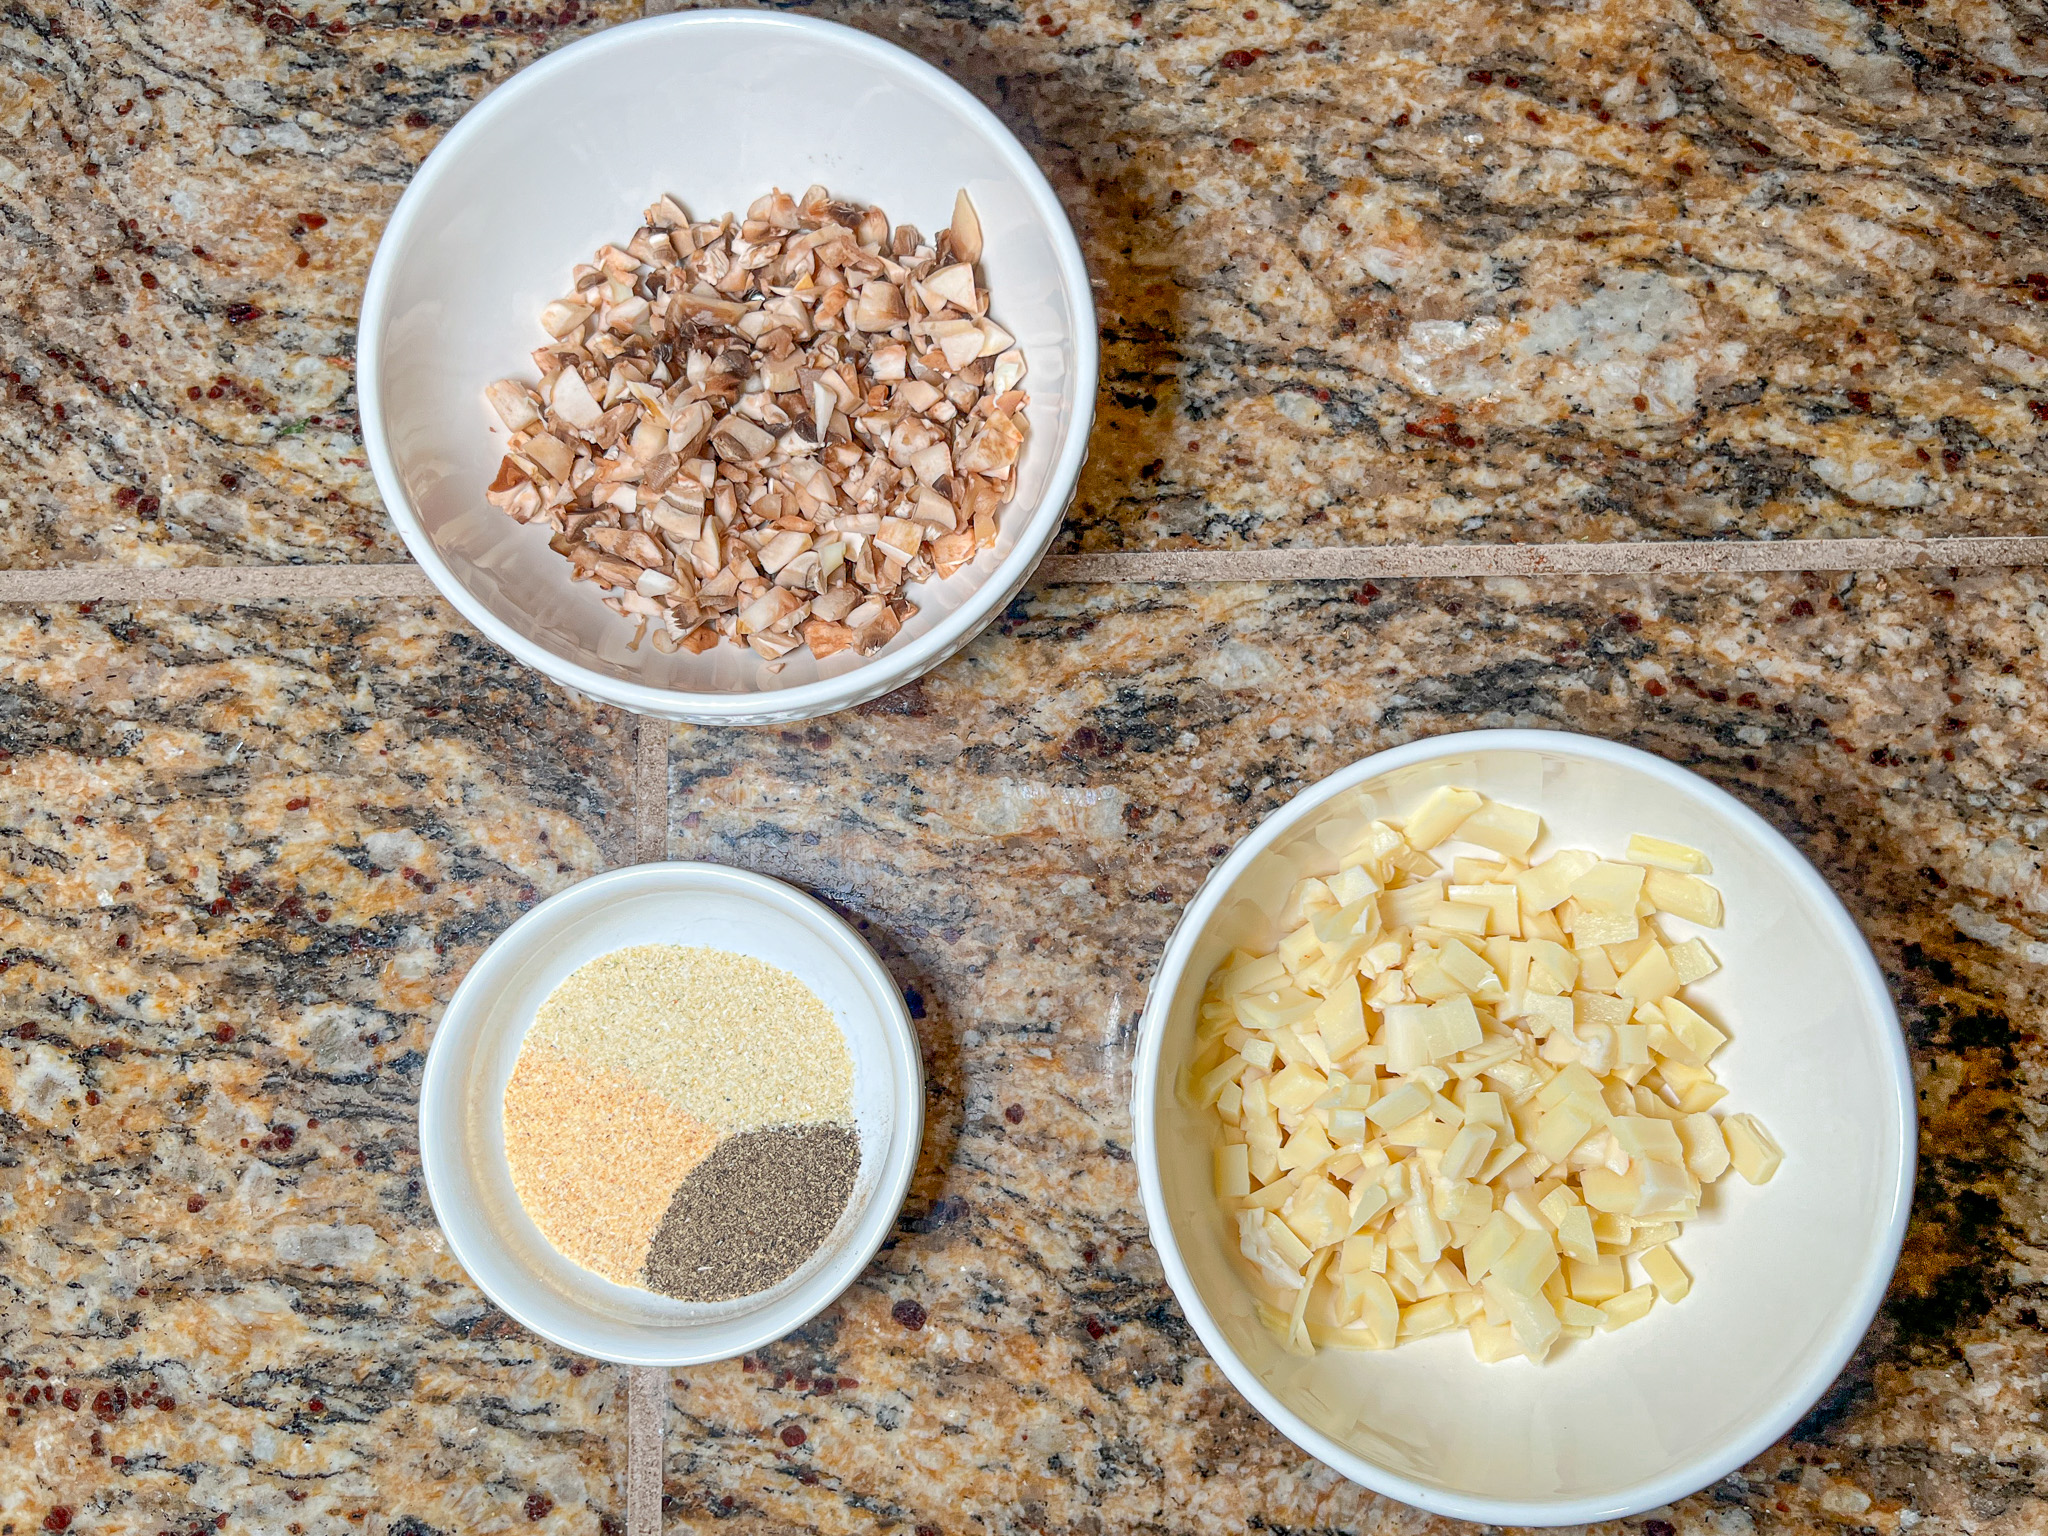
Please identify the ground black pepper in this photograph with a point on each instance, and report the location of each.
(753, 1211)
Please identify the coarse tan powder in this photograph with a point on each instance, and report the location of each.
(594, 1158)
(750, 1213)
(650, 1065)
(731, 1040)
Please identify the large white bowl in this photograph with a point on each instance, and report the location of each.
(462, 1105)
(1787, 1275)
(713, 107)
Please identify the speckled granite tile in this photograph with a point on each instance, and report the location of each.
(191, 193)
(1368, 271)
(1016, 835)
(244, 856)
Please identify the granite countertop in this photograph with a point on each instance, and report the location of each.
(1370, 273)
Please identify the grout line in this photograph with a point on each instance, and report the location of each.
(650, 789)
(646, 1446)
(213, 583)
(1667, 557)
(1691, 557)
(647, 1386)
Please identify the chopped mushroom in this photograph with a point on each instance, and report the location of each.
(762, 430)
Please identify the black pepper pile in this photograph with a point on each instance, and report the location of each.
(750, 1214)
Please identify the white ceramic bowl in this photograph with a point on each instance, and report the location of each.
(713, 107)
(1787, 1275)
(462, 1105)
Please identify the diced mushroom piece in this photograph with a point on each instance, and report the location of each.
(932, 464)
(961, 342)
(934, 509)
(739, 440)
(782, 549)
(519, 501)
(801, 574)
(708, 306)
(655, 584)
(890, 362)
(668, 214)
(776, 208)
(1008, 370)
(826, 638)
(564, 316)
(692, 424)
(837, 603)
(899, 537)
(994, 448)
(954, 284)
(877, 632)
(614, 572)
(768, 610)
(626, 315)
(994, 339)
(864, 614)
(551, 454)
(950, 551)
(513, 404)
(671, 519)
(774, 646)
(571, 400)
(880, 307)
(831, 306)
(965, 229)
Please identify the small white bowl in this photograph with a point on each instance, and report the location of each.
(712, 107)
(1786, 1276)
(462, 1105)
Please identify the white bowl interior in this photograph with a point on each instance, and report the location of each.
(712, 108)
(1786, 1275)
(462, 1124)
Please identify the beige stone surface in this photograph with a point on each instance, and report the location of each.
(1367, 272)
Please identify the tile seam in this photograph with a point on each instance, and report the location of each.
(650, 789)
(1665, 558)
(646, 1446)
(345, 582)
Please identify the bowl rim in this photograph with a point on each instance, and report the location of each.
(1697, 1472)
(439, 1085)
(1000, 582)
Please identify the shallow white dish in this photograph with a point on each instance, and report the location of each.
(462, 1120)
(712, 107)
(1786, 1276)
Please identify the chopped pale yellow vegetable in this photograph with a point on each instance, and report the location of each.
(1596, 1280)
(1628, 1307)
(1657, 852)
(1462, 1091)
(1750, 1148)
(1233, 1171)
(1547, 884)
(1693, 961)
(1684, 896)
(1651, 979)
(1506, 829)
(1666, 1273)
(1610, 889)
(1706, 1148)
(1439, 815)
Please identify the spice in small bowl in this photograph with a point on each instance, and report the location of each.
(680, 1119)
